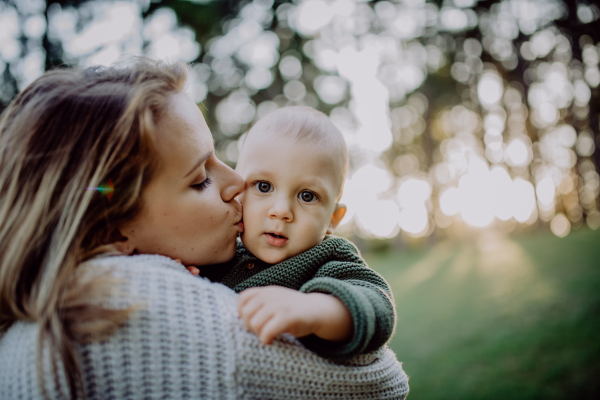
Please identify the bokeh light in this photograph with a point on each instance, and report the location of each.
(560, 225)
(456, 113)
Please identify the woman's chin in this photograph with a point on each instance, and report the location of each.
(229, 252)
(216, 256)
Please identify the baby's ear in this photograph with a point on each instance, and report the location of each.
(338, 214)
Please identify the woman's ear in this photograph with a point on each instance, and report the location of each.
(338, 214)
(122, 243)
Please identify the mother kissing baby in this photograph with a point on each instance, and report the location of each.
(92, 303)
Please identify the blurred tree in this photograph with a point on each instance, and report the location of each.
(457, 113)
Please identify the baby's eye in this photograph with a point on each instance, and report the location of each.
(263, 187)
(307, 197)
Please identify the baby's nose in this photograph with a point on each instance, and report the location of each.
(281, 210)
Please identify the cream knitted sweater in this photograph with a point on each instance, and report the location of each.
(188, 342)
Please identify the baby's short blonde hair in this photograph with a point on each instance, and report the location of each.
(307, 124)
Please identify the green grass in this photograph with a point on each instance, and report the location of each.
(498, 317)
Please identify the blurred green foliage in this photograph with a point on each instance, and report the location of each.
(501, 318)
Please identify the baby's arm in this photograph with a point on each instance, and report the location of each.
(366, 295)
(272, 310)
(368, 299)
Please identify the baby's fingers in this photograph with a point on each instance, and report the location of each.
(272, 328)
(193, 270)
(246, 296)
(248, 309)
(257, 322)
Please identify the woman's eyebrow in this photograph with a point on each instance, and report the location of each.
(201, 161)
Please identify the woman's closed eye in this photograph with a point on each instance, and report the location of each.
(263, 187)
(202, 185)
(307, 196)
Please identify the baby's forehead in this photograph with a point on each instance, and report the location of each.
(311, 130)
(327, 155)
(318, 146)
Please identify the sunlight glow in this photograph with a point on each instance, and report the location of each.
(502, 193)
(370, 97)
(524, 197)
(331, 89)
(112, 24)
(372, 180)
(9, 30)
(489, 89)
(312, 16)
(560, 225)
(450, 201)
(379, 219)
(475, 195)
(414, 219)
(545, 191)
(500, 153)
(413, 191)
(517, 153)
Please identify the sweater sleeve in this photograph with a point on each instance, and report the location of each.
(367, 297)
(187, 341)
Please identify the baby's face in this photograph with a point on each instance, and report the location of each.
(291, 192)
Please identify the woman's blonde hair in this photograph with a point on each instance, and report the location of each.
(69, 131)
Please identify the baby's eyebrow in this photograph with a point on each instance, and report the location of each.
(312, 182)
(266, 173)
(321, 187)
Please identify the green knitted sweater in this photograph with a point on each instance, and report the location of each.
(335, 267)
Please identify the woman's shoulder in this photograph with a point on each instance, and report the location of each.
(177, 342)
(179, 338)
(187, 340)
(159, 273)
(133, 263)
(158, 285)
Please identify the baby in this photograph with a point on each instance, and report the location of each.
(293, 278)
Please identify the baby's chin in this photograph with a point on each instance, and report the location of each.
(270, 256)
(271, 259)
(267, 255)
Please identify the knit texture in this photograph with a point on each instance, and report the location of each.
(334, 267)
(187, 342)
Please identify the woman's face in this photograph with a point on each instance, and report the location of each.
(189, 208)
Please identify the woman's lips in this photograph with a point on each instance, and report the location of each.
(240, 226)
(275, 240)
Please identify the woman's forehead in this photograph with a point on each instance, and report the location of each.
(182, 134)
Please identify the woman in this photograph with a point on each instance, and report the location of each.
(119, 162)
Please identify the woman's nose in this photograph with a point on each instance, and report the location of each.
(281, 210)
(233, 183)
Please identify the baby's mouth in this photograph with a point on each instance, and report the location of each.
(275, 239)
(276, 235)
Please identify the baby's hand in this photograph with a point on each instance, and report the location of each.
(193, 270)
(272, 310)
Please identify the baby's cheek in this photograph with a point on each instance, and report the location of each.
(315, 233)
(242, 197)
(321, 222)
